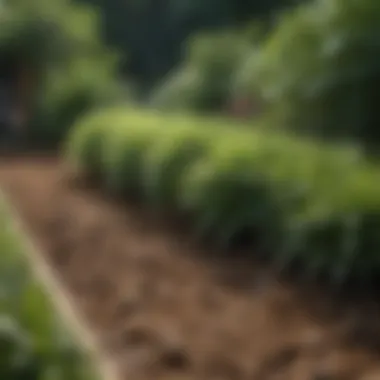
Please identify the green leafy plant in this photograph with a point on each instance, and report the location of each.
(33, 343)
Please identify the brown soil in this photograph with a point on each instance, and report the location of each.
(165, 312)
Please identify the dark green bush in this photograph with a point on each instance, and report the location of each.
(68, 93)
(61, 45)
(319, 70)
(228, 199)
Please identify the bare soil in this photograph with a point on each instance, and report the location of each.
(164, 311)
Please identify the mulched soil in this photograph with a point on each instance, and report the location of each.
(164, 311)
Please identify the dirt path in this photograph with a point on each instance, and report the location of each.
(165, 313)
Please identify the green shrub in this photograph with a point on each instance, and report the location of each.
(229, 199)
(203, 83)
(319, 70)
(339, 246)
(60, 43)
(301, 201)
(181, 91)
(66, 94)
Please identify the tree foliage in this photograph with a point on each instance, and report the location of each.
(151, 33)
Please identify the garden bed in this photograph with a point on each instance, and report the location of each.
(163, 311)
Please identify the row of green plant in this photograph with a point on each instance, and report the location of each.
(33, 343)
(305, 203)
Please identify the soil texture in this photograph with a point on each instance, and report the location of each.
(164, 311)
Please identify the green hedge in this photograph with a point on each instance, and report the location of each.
(33, 344)
(305, 203)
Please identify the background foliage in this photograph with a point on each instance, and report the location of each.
(151, 33)
(60, 44)
(319, 69)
